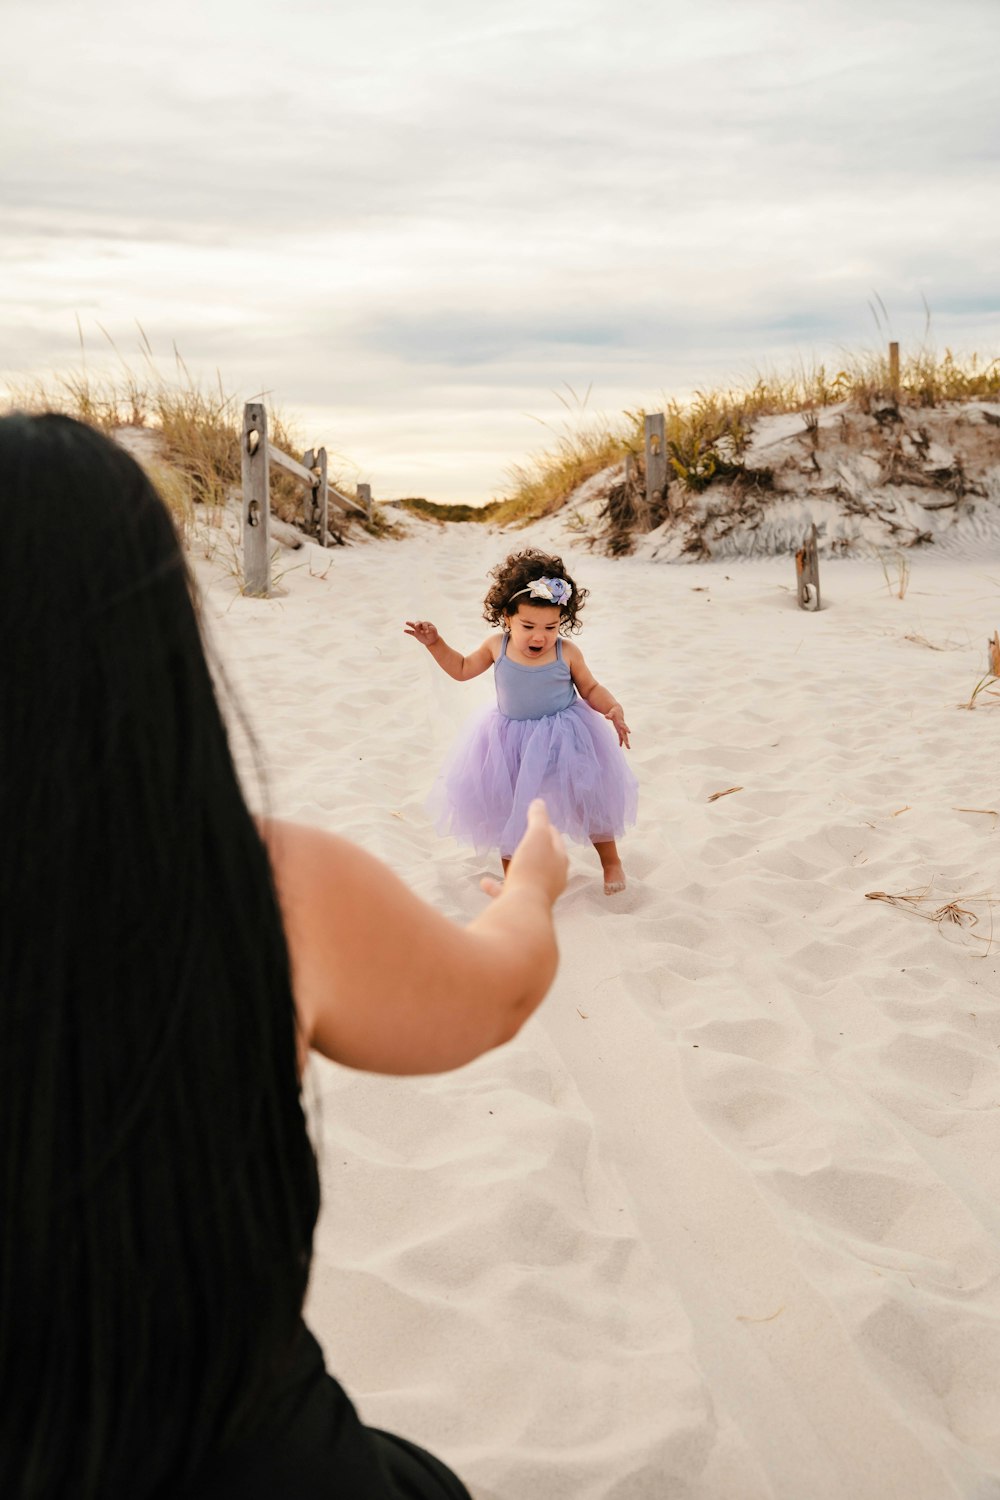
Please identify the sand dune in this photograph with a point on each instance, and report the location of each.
(722, 1223)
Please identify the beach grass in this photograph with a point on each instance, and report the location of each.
(198, 429)
(434, 510)
(707, 434)
(987, 687)
(895, 570)
(585, 445)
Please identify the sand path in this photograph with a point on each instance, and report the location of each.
(724, 1221)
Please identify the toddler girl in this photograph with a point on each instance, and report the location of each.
(550, 734)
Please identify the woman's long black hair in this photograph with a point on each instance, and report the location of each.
(157, 1186)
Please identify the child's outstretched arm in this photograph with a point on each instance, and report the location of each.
(598, 697)
(462, 668)
(386, 983)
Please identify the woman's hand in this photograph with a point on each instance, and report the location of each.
(422, 631)
(617, 717)
(539, 863)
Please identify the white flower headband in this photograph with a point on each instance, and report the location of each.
(549, 590)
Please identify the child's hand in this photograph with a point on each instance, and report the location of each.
(422, 631)
(617, 717)
(539, 862)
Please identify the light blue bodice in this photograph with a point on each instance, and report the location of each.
(532, 692)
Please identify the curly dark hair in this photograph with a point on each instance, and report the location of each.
(515, 574)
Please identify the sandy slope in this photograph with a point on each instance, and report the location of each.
(871, 482)
(724, 1221)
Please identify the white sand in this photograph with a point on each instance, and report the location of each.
(723, 1222)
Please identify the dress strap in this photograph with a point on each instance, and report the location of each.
(558, 648)
(503, 645)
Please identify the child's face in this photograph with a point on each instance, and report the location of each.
(534, 628)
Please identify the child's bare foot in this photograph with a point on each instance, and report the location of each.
(614, 875)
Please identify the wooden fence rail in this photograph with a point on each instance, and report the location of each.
(257, 456)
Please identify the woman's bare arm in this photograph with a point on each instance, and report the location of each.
(385, 982)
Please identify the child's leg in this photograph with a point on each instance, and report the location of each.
(614, 875)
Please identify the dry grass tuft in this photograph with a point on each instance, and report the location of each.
(895, 571)
(198, 430)
(586, 444)
(174, 489)
(916, 902)
(624, 513)
(434, 510)
(921, 640)
(985, 686)
(989, 684)
(953, 912)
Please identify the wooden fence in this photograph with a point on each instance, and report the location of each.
(258, 454)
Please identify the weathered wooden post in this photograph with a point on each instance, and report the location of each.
(894, 370)
(323, 498)
(317, 503)
(807, 572)
(310, 499)
(256, 502)
(365, 498)
(656, 459)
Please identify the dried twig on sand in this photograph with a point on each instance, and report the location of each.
(921, 640)
(727, 793)
(900, 583)
(957, 911)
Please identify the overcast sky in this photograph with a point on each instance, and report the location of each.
(413, 222)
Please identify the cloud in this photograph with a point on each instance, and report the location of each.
(438, 207)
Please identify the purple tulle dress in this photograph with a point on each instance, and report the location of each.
(541, 740)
